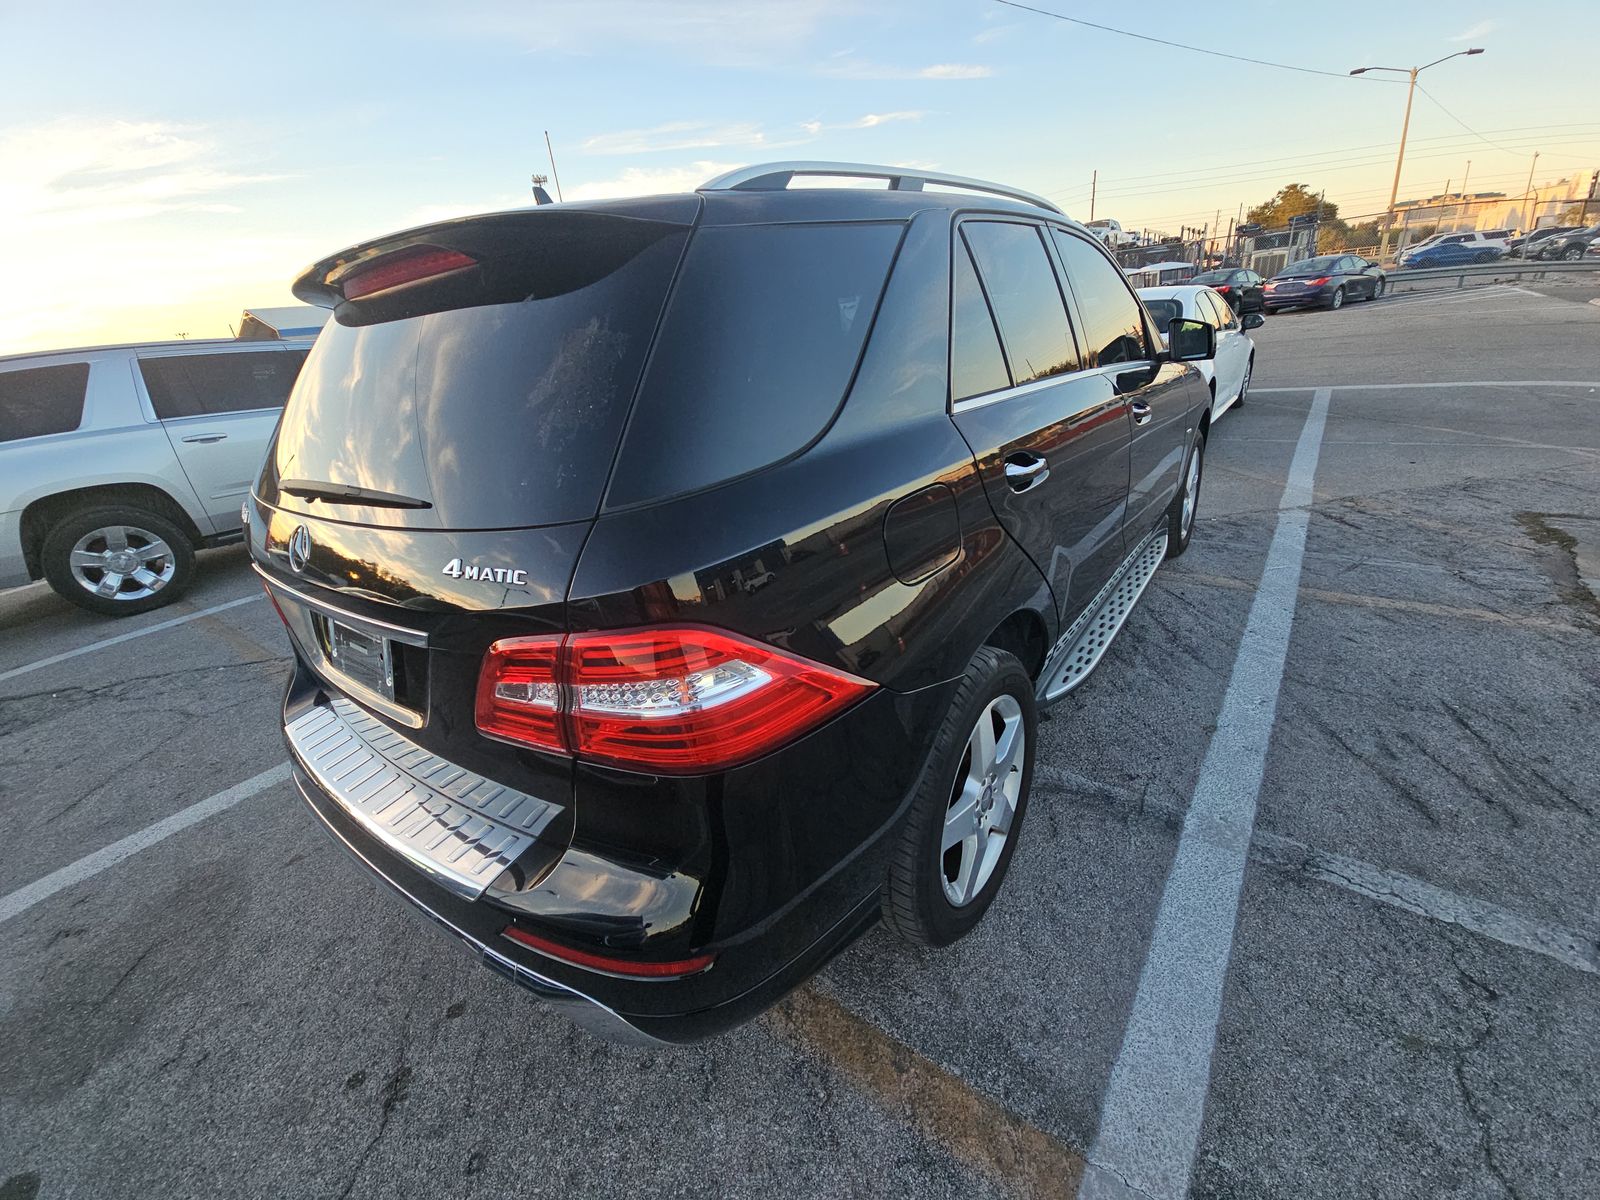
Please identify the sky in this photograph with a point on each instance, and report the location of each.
(162, 171)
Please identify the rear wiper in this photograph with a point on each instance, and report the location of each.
(348, 493)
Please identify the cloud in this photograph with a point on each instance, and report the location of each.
(675, 135)
(869, 121)
(1473, 32)
(73, 172)
(859, 68)
(650, 181)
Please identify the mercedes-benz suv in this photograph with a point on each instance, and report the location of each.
(674, 582)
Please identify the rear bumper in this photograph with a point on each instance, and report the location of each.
(766, 939)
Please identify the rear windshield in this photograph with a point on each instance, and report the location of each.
(1311, 266)
(499, 415)
(1165, 312)
(1213, 277)
(39, 400)
(761, 340)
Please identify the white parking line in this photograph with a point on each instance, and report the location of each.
(123, 637)
(1433, 383)
(24, 898)
(1155, 1101)
(1567, 946)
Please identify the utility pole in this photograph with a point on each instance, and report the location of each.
(1464, 176)
(1094, 188)
(1531, 213)
(1405, 128)
(1594, 185)
(554, 174)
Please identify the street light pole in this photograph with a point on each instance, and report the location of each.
(1405, 128)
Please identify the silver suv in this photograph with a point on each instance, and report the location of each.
(117, 463)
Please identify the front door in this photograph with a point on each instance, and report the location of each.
(1050, 436)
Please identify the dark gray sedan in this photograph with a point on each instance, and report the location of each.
(1326, 281)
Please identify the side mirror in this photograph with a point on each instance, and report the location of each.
(1191, 341)
(1252, 321)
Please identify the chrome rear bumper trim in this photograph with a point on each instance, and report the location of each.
(458, 828)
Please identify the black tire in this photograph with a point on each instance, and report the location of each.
(915, 901)
(143, 530)
(1180, 532)
(1338, 299)
(1378, 289)
(1572, 253)
(1244, 388)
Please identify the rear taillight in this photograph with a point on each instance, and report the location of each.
(410, 265)
(1223, 288)
(676, 700)
(1317, 282)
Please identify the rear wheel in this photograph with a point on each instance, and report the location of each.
(1181, 512)
(958, 839)
(117, 561)
(1483, 256)
(1338, 298)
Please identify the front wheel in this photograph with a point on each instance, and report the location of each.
(117, 561)
(1181, 512)
(959, 836)
(1244, 384)
(1338, 298)
(1379, 288)
(1572, 253)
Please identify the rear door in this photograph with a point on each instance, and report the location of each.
(1233, 348)
(1050, 434)
(219, 410)
(1158, 402)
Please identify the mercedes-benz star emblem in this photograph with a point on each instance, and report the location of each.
(299, 549)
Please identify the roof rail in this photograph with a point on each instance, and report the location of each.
(776, 176)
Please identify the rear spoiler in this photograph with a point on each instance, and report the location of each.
(497, 258)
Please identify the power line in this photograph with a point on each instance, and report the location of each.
(1460, 122)
(1145, 37)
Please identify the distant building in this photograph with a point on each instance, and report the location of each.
(1454, 212)
(274, 324)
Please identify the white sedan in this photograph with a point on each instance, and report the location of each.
(1229, 373)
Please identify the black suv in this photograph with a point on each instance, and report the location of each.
(673, 581)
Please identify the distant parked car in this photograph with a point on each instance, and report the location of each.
(1241, 288)
(1491, 243)
(1228, 374)
(1450, 254)
(1326, 281)
(1110, 231)
(1570, 246)
(1527, 246)
(118, 462)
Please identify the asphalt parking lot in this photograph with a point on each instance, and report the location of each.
(1389, 617)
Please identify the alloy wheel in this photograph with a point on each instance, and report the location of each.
(983, 801)
(1191, 484)
(122, 563)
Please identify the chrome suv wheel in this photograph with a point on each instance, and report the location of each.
(117, 560)
(983, 801)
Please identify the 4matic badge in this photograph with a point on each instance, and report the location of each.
(456, 570)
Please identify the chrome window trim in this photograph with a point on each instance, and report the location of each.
(988, 398)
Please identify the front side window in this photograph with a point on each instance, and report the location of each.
(1026, 299)
(197, 385)
(36, 401)
(1113, 328)
(977, 364)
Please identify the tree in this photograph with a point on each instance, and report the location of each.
(1294, 200)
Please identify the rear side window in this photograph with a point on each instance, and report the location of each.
(977, 364)
(1113, 328)
(1025, 297)
(760, 341)
(198, 385)
(37, 401)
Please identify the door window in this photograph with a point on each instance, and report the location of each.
(1113, 328)
(1026, 299)
(37, 401)
(977, 364)
(195, 385)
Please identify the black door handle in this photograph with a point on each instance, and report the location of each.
(1025, 470)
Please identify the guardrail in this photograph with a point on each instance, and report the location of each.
(1512, 268)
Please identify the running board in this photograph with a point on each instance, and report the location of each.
(1085, 642)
